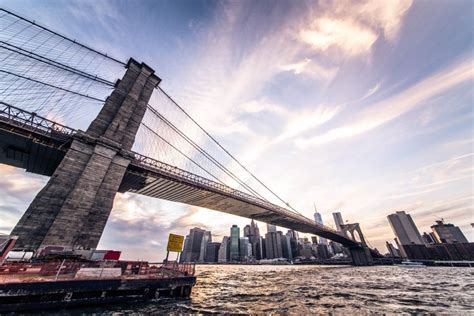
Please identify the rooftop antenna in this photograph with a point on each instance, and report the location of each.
(315, 209)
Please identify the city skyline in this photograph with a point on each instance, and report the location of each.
(387, 142)
(445, 242)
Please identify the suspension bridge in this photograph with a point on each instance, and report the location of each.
(97, 126)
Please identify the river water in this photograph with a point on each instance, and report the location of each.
(318, 289)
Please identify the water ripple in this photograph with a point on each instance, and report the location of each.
(238, 289)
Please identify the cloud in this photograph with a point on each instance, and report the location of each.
(372, 91)
(311, 68)
(393, 107)
(346, 29)
(264, 105)
(346, 38)
(385, 16)
(307, 119)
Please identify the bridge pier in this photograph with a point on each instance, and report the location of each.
(361, 256)
(73, 208)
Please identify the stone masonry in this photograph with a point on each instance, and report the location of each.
(73, 208)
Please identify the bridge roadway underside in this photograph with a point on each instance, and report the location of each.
(154, 183)
(41, 154)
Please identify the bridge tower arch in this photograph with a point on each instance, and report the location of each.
(73, 207)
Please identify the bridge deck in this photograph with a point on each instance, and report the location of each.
(153, 178)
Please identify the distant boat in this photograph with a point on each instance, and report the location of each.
(411, 264)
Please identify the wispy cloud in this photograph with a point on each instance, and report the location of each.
(302, 121)
(392, 108)
(343, 37)
(312, 69)
(345, 29)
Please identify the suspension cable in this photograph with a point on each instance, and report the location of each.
(64, 37)
(227, 152)
(52, 86)
(206, 154)
(179, 151)
(20, 51)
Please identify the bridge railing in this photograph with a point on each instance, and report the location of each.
(174, 171)
(33, 122)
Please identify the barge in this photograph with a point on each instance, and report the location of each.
(60, 282)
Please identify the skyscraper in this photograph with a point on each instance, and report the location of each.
(254, 231)
(319, 220)
(447, 233)
(271, 228)
(183, 257)
(259, 252)
(286, 247)
(194, 242)
(428, 239)
(293, 236)
(405, 229)
(212, 252)
(234, 243)
(223, 255)
(273, 245)
(338, 220)
(245, 249)
(392, 250)
(247, 231)
(207, 238)
(253, 235)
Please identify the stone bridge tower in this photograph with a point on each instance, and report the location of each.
(73, 208)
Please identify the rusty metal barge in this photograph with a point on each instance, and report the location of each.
(57, 277)
(68, 283)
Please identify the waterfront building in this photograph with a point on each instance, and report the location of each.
(261, 250)
(323, 252)
(206, 239)
(253, 234)
(224, 250)
(245, 250)
(212, 252)
(293, 234)
(271, 228)
(258, 248)
(247, 231)
(273, 245)
(403, 254)
(286, 247)
(234, 243)
(338, 220)
(254, 231)
(293, 242)
(447, 233)
(394, 253)
(193, 250)
(306, 248)
(319, 220)
(194, 242)
(405, 229)
(428, 238)
(183, 256)
(335, 248)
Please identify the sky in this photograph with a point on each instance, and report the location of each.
(361, 107)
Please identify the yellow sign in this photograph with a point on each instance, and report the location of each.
(175, 243)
